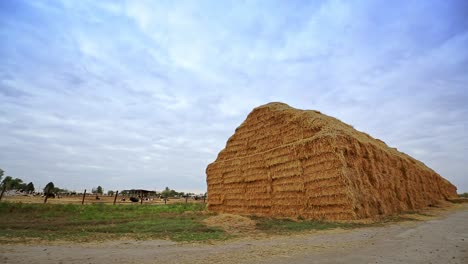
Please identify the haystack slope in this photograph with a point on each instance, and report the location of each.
(287, 162)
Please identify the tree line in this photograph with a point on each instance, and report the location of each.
(10, 183)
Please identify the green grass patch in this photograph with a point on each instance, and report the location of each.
(179, 222)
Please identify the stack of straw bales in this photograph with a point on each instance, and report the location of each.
(287, 162)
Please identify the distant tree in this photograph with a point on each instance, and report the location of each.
(110, 193)
(7, 182)
(17, 184)
(49, 188)
(30, 187)
(22, 186)
(99, 190)
(166, 192)
(12, 184)
(94, 190)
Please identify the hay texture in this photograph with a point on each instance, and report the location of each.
(231, 223)
(286, 162)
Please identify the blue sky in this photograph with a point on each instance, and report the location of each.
(144, 94)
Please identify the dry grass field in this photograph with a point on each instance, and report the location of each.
(91, 199)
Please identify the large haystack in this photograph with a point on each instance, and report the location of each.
(288, 162)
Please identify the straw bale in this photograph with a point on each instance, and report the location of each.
(287, 162)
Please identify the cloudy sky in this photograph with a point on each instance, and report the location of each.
(144, 94)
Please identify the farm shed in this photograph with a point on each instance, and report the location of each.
(286, 162)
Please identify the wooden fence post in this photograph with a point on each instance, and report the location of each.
(115, 198)
(84, 194)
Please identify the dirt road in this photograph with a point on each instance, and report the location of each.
(443, 240)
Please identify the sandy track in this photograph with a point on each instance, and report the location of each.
(443, 240)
